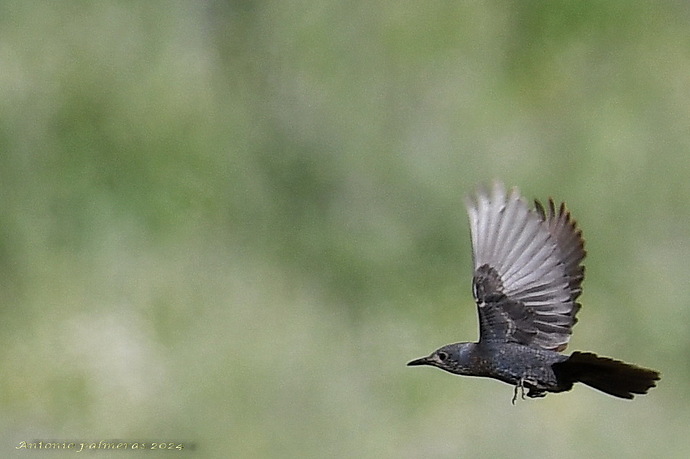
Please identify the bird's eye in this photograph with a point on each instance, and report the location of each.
(442, 356)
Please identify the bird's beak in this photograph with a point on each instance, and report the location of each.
(422, 361)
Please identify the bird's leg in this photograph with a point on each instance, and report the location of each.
(520, 385)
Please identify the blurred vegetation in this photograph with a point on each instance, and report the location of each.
(231, 224)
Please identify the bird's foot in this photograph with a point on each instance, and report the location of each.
(521, 386)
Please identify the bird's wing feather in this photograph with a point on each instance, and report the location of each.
(527, 269)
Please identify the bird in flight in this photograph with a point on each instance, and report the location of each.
(528, 274)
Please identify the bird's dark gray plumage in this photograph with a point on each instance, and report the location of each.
(527, 278)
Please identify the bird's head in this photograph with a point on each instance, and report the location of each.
(455, 358)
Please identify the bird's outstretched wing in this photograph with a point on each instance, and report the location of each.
(527, 271)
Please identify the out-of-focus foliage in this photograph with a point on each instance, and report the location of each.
(231, 224)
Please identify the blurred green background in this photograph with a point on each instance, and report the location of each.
(231, 224)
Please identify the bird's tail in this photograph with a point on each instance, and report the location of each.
(607, 375)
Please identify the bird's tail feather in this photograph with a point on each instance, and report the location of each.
(607, 375)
